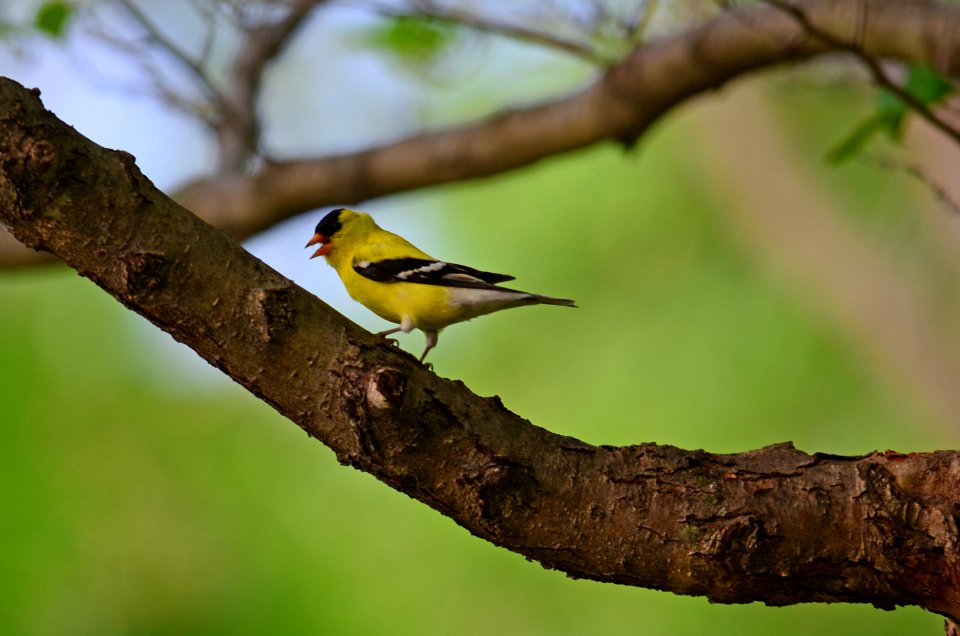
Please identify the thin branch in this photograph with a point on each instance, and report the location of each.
(494, 26)
(239, 133)
(208, 14)
(164, 43)
(880, 76)
(157, 84)
(628, 33)
(234, 114)
(639, 26)
(884, 79)
(936, 190)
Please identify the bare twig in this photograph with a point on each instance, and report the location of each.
(209, 15)
(638, 27)
(233, 115)
(627, 32)
(157, 83)
(488, 24)
(239, 132)
(938, 191)
(193, 65)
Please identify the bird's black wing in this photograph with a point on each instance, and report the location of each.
(427, 272)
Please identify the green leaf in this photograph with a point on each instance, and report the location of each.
(892, 110)
(927, 85)
(853, 143)
(52, 17)
(412, 38)
(923, 83)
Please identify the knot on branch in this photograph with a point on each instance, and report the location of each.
(37, 155)
(506, 491)
(275, 312)
(27, 161)
(884, 502)
(143, 273)
(138, 191)
(367, 399)
(385, 388)
(732, 542)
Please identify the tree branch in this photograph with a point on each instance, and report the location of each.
(193, 65)
(237, 125)
(880, 76)
(239, 132)
(492, 25)
(774, 525)
(621, 105)
(937, 191)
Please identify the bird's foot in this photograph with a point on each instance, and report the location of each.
(384, 334)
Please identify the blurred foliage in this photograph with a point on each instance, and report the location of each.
(923, 83)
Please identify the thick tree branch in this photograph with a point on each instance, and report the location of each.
(774, 525)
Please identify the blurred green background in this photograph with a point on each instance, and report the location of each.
(141, 494)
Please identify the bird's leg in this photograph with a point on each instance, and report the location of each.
(432, 336)
(384, 334)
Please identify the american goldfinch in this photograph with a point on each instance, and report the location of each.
(402, 284)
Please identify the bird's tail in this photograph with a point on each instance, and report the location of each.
(548, 300)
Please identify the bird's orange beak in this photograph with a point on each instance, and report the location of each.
(325, 244)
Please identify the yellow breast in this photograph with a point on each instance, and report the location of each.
(425, 306)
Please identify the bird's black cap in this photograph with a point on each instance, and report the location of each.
(330, 224)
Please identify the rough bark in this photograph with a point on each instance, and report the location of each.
(775, 525)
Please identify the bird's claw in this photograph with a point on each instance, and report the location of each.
(383, 336)
(427, 365)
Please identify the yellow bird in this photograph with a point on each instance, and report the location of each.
(398, 282)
